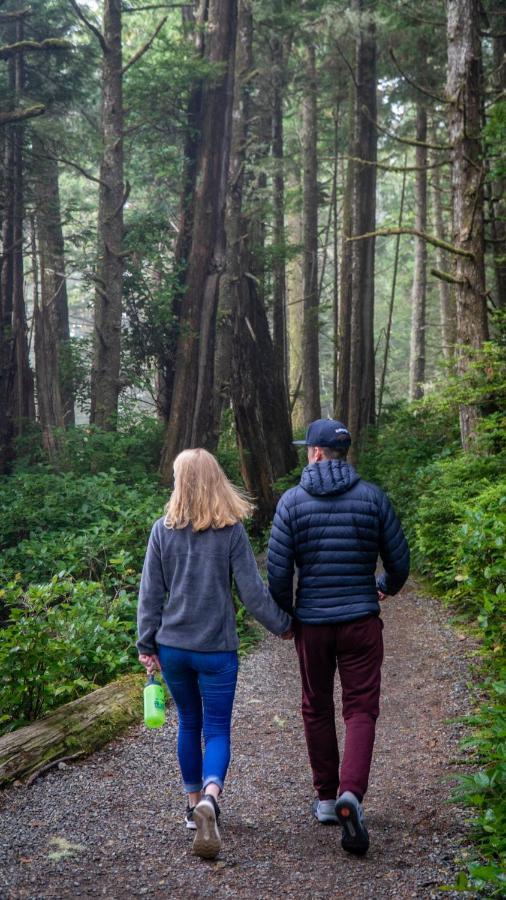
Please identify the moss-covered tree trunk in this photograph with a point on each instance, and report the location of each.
(310, 333)
(105, 372)
(55, 401)
(419, 291)
(78, 727)
(463, 91)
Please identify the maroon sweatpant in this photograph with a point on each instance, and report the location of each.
(356, 648)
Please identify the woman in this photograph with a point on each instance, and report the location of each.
(186, 623)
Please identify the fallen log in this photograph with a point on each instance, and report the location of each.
(77, 728)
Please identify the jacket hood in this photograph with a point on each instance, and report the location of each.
(331, 476)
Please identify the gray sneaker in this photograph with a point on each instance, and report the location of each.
(350, 813)
(207, 841)
(325, 811)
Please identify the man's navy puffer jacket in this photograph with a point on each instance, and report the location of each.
(332, 526)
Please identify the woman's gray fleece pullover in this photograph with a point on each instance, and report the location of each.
(185, 597)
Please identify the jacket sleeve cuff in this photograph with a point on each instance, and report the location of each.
(148, 649)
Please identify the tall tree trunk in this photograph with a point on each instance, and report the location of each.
(191, 421)
(388, 330)
(55, 398)
(446, 297)
(342, 404)
(278, 265)
(497, 203)
(310, 334)
(105, 383)
(16, 378)
(295, 314)
(335, 261)
(194, 23)
(463, 90)
(363, 216)
(419, 292)
(234, 225)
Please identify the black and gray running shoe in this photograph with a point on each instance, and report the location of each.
(350, 813)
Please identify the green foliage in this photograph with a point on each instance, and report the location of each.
(61, 639)
(453, 507)
(72, 545)
(131, 454)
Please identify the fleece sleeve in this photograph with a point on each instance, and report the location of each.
(281, 558)
(394, 550)
(252, 591)
(152, 594)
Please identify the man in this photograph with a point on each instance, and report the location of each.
(333, 526)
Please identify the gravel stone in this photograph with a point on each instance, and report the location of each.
(113, 825)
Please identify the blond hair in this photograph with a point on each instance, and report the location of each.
(203, 497)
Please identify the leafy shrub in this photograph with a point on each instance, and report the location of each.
(60, 640)
(448, 491)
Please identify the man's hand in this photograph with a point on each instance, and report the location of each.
(381, 595)
(151, 661)
(288, 635)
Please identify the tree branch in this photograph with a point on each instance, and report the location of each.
(134, 9)
(9, 50)
(142, 50)
(7, 17)
(445, 276)
(93, 28)
(386, 168)
(410, 141)
(417, 87)
(68, 162)
(17, 115)
(436, 242)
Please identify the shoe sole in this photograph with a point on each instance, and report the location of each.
(207, 841)
(355, 837)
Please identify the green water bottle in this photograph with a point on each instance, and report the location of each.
(154, 704)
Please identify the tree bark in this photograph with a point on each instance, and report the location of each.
(109, 277)
(81, 726)
(278, 231)
(55, 400)
(497, 204)
(419, 292)
(363, 216)
(16, 378)
(446, 295)
(463, 91)
(295, 314)
(335, 260)
(311, 331)
(191, 421)
(247, 354)
(342, 404)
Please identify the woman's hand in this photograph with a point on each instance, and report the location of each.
(151, 661)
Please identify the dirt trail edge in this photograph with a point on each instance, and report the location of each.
(112, 826)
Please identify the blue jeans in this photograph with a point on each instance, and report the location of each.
(203, 688)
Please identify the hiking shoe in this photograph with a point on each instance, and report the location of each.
(325, 811)
(190, 824)
(207, 841)
(350, 813)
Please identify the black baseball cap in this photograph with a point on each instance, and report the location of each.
(326, 433)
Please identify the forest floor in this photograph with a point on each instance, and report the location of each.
(112, 826)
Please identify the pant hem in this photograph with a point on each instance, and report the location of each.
(193, 788)
(212, 779)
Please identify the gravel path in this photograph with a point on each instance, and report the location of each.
(111, 826)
